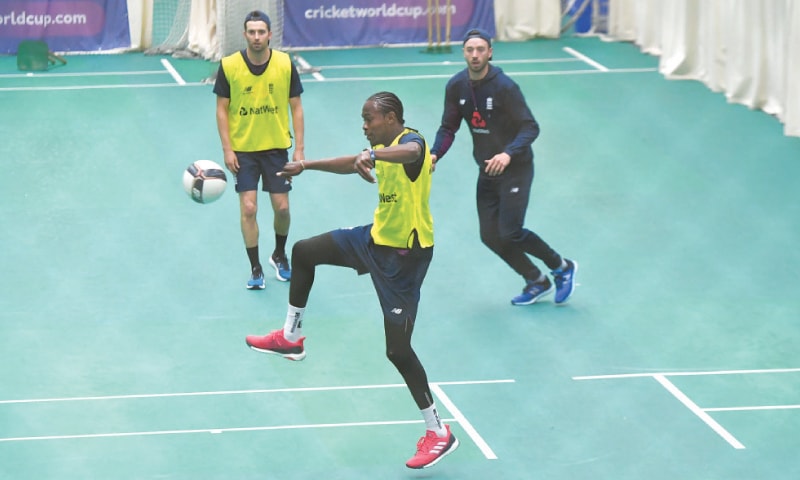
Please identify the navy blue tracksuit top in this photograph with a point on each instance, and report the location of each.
(497, 115)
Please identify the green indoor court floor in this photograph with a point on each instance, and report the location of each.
(123, 310)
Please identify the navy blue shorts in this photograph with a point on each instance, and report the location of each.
(265, 166)
(397, 274)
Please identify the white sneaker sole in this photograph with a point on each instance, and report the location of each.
(295, 357)
(534, 299)
(277, 271)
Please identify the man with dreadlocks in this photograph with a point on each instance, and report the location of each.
(396, 250)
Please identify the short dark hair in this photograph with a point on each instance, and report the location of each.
(257, 16)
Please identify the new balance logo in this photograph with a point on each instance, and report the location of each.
(397, 311)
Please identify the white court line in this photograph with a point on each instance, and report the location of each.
(510, 74)
(325, 79)
(444, 63)
(465, 424)
(586, 59)
(304, 64)
(79, 74)
(239, 392)
(582, 72)
(100, 87)
(688, 374)
(702, 413)
(435, 388)
(750, 409)
(207, 430)
(173, 72)
(705, 417)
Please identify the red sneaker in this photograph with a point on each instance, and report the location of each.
(431, 448)
(276, 344)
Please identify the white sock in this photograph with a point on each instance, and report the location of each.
(293, 327)
(433, 422)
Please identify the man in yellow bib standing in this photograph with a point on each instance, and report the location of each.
(256, 88)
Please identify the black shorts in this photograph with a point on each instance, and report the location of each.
(397, 274)
(265, 166)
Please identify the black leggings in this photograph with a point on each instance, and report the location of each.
(502, 204)
(323, 250)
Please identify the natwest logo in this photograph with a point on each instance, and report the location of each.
(387, 197)
(270, 109)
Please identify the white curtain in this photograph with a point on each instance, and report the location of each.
(748, 49)
(518, 20)
(203, 28)
(791, 117)
(634, 21)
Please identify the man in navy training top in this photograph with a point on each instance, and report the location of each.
(503, 129)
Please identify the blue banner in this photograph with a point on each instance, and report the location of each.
(321, 23)
(66, 25)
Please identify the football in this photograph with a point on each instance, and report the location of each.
(204, 181)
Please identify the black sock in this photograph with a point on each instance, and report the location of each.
(252, 254)
(280, 244)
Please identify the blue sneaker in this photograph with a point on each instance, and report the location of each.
(565, 281)
(533, 291)
(283, 271)
(256, 281)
